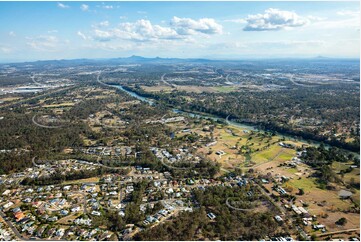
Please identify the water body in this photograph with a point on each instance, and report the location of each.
(133, 94)
(232, 123)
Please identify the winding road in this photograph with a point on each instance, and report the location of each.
(45, 126)
(167, 83)
(239, 209)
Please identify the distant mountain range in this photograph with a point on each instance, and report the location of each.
(139, 59)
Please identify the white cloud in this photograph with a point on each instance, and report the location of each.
(269, 44)
(52, 31)
(144, 30)
(187, 26)
(122, 17)
(5, 49)
(108, 7)
(104, 24)
(274, 19)
(84, 7)
(61, 5)
(237, 21)
(349, 13)
(102, 35)
(141, 12)
(83, 36)
(46, 42)
(315, 18)
(12, 34)
(352, 22)
(290, 43)
(141, 30)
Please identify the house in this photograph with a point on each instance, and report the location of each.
(7, 192)
(60, 232)
(41, 230)
(211, 216)
(66, 188)
(19, 216)
(304, 211)
(344, 194)
(15, 210)
(281, 190)
(278, 219)
(27, 200)
(307, 221)
(75, 209)
(121, 213)
(51, 232)
(211, 143)
(113, 193)
(318, 226)
(64, 212)
(8, 205)
(296, 209)
(163, 212)
(96, 213)
(80, 221)
(220, 152)
(53, 219)
(151, 219)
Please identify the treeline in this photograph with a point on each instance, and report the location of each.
(14, 161)
(18, 132)
(322, 159)
(273, 110)
(319, 156)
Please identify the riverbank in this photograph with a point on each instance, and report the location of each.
(191, 113)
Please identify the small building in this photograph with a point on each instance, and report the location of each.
(278, 219)
(344, 194)
(96, 213)
(211, 216)
(318, 226)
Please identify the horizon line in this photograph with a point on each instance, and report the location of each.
(185, 58)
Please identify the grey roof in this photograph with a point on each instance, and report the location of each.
(344, 193)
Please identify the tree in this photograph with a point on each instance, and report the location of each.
(342, 221)
(301, 191)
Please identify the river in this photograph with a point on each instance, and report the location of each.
(231, 123)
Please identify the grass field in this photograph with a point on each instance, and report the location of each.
(9, 99)
(307, 184)
(91, 179)
(68, 104)
(225, 89)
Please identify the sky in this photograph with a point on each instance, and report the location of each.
(216, 30)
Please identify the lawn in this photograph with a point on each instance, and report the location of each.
(68, 104)
(267, 155)
(91, 179)
(225, 89)
(307, 184)
(338, 166)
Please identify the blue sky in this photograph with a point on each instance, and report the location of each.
(223, 30)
